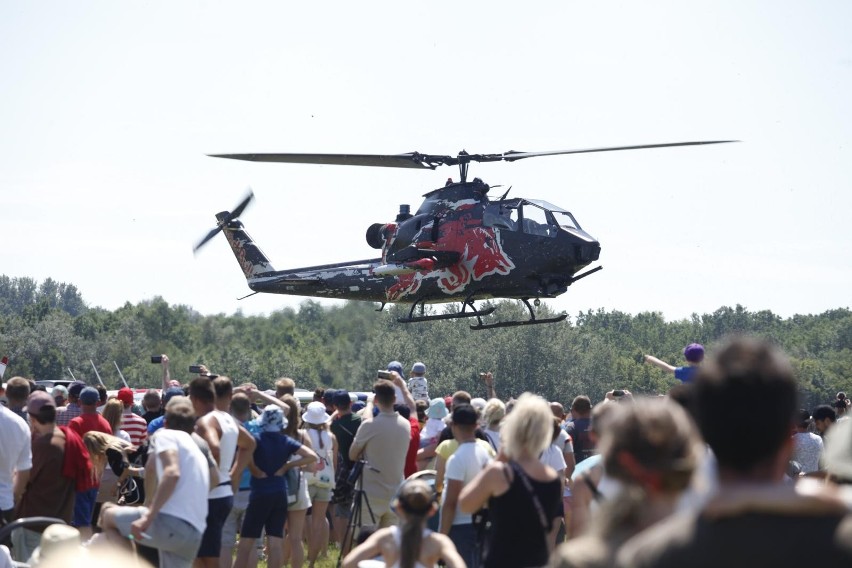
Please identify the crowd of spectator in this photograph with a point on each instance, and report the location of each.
(724, 470)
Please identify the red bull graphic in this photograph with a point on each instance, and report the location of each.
(482, 255)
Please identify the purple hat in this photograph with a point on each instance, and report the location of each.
(694, 352)
(37, 400)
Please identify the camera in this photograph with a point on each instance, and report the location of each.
(195, 369)
(618, 393)
(344, 489)
(384, 374)
(156, 359)
(483, 375)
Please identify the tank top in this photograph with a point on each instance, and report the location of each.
(517, 538)
(324, 476)
(227, 453)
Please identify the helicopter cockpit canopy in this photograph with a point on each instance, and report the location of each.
(531, 216)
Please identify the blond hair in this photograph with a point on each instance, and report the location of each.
(528, 428)
(97, 443)
(113, 410)
(494, 411)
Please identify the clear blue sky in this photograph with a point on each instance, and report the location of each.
(107, 110)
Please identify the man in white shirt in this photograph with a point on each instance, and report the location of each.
(175, 520)
(464, 464)
(16, 460)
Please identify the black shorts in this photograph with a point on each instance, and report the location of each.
(217, 513)
(265, 511)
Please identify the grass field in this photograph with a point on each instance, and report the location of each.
(327, 561)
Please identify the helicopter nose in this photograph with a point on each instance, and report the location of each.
(590, 252)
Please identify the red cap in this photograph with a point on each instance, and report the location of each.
(125, 395)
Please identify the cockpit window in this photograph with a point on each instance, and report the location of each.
(536, 222)
(501, 217)
(565, 219)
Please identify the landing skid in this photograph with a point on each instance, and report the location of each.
(462, 314)
(531, 321)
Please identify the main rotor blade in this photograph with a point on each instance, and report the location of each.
(512, 156)
(431, 161)
(410, 160)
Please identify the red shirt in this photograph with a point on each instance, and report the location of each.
(88, 423)
(413, 446)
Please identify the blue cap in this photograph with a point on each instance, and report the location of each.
(171, 392)
(396, 366)
(89, 395)
(341, 398)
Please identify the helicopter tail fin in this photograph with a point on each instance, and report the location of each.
(249, 256)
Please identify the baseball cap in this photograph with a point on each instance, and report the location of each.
(396, 366)
(437, 408)
(341, 398)
(125, 395)
(170, 392)
(418, 367)
(75, 388)
(694, 352)
(464, 415)
(39, 399)
(89, 395)
(315, 413)
(328, 395)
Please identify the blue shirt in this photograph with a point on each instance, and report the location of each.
(156, 424)
(686, 374)
(272, 452)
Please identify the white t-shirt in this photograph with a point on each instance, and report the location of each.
(419, 388)
(15, 453)
(465, 463)
(553, 457)
(189, 500)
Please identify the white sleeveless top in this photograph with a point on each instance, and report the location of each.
(325, 476)
(227, 453)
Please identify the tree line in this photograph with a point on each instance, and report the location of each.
(47, 329)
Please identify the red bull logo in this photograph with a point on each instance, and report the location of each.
(482, 255)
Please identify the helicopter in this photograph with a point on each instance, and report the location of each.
(459, 246)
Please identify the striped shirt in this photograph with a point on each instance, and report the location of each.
(66, 414)
(135, 426)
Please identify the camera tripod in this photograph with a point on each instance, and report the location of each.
(359, 499)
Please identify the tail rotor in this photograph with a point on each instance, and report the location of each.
(223, 222)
